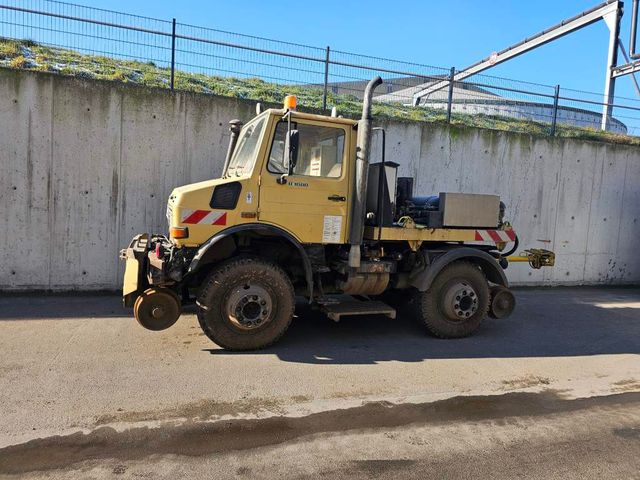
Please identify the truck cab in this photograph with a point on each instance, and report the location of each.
(252, 189)
(302, 210)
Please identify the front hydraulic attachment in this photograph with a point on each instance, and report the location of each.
(536, 257)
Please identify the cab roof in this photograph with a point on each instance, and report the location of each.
(311, 116)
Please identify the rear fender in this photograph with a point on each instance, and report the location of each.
(423, 277)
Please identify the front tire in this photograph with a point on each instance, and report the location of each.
(456, 303)
(246, 304)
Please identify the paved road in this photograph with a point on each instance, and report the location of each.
(552, 392)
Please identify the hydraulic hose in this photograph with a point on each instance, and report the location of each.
(515, 247)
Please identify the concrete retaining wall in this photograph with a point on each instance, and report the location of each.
(86, 165)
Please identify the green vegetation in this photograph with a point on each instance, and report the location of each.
(29, 55)
(9, 49)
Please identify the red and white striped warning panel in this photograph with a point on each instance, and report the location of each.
(496, 236)
(204, 217)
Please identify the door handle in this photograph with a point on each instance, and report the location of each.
(337, 198)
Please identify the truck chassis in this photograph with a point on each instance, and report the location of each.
(370, 248)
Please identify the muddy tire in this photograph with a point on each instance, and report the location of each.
(456, 303)
(246, 304)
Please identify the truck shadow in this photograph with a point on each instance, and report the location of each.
(547, 323)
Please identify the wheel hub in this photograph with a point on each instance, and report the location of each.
(249, 306)
(460, 301)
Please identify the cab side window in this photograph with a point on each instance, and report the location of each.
(320, 151)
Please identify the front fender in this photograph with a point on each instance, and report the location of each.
(196, 263)
(424, 277)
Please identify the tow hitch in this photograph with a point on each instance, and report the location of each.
(536, 257)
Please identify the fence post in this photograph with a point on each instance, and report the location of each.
(173, 52)
(450, 96)
(326, 80)
(556, 97)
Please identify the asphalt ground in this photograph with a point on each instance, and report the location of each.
(552, 392)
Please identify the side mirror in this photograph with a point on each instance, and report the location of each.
(291, 148)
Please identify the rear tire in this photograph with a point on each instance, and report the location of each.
(456, 303)
(246, 304)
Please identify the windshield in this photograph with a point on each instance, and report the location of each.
(244, 156)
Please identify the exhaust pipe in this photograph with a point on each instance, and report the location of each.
(363, 151)
(234, 127)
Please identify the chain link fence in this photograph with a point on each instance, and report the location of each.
(73, 39)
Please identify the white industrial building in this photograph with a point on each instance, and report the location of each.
(473, 100)
(470, 99)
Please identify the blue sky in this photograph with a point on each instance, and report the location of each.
(440, 33)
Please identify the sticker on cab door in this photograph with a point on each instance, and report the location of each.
(249, 198)
(331, 229)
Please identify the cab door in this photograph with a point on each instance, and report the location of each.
(314, 202)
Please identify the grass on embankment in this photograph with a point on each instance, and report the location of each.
(28, 55)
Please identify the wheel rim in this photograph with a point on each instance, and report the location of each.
(249, 306)
(460, 301)
(157, 309)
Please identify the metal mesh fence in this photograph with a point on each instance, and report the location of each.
(96, 43)
(220, 53)
(97, 34)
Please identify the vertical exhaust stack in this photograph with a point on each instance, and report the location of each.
(234, 127)
(363, 152)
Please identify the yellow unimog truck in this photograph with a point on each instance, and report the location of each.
(302, 210)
